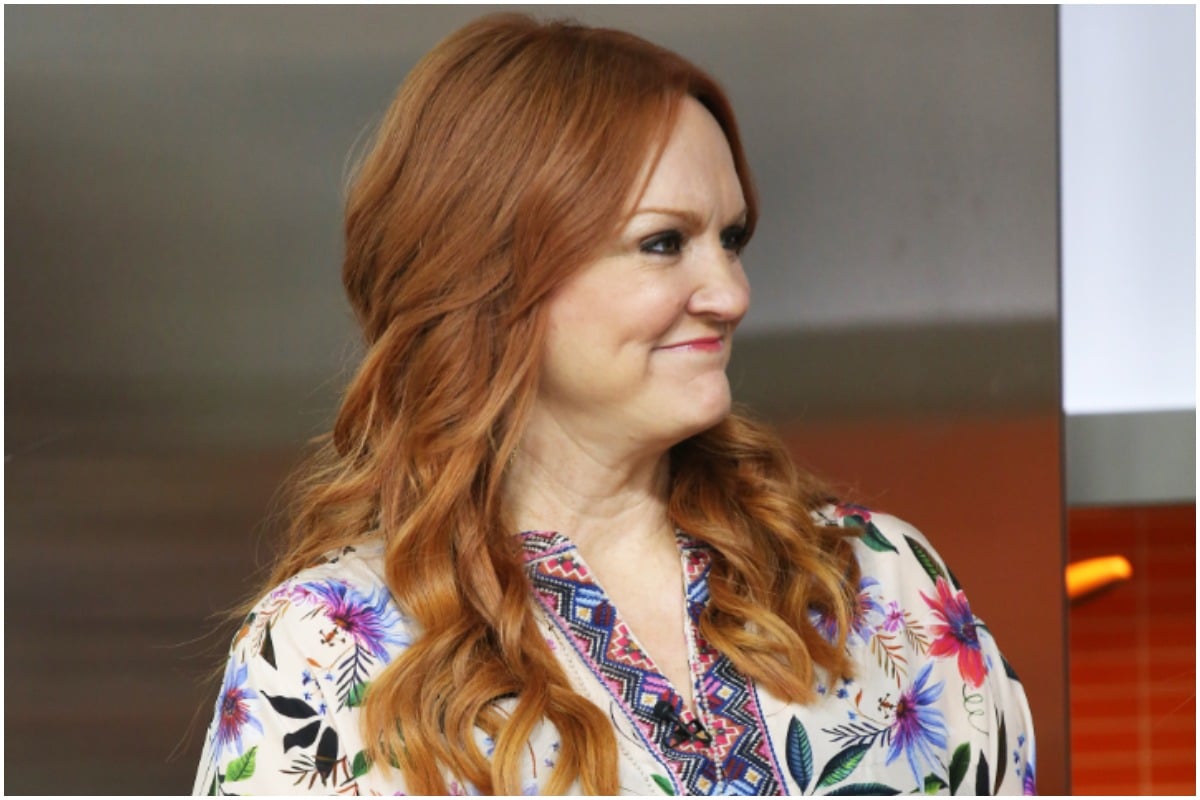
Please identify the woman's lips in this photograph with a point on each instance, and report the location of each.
(708, 344)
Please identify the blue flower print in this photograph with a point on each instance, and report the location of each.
(918, 727)
(372, 622)
(233, 710)
(894, 619)
(1029, 783)
(866, 608)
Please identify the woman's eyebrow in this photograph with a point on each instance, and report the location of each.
(691, 218)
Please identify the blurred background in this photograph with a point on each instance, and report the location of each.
(175, 332)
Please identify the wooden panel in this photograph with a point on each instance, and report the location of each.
(117, 564)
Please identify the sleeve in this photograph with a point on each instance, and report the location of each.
(286, 719)
(957, 716)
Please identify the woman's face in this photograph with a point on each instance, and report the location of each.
(638, 340)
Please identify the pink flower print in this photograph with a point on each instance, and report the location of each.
(956, 632)
(851, 510)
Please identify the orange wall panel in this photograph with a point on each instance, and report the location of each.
(987, 490)
(1133, 654)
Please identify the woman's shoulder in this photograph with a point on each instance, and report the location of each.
(930, 681)
(902, 578)
(342, 601)
(885, 543)
(298, 669)
(358, 566)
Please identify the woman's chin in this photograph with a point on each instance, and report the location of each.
(703, 411)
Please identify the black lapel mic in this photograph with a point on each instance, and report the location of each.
(681, 731)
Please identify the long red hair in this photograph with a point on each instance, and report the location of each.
(507, 160)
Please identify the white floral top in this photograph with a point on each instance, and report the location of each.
(934, 707)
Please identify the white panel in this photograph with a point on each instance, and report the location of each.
(1128, 208)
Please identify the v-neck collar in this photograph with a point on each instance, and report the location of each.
(738, 757)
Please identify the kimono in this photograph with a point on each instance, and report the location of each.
(933, 706)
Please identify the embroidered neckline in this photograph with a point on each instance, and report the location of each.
(738, 756)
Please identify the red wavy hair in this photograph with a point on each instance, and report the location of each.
(507, 160)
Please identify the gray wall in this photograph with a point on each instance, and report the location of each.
(174, 173)
(175, 328)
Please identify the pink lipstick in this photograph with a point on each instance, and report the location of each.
(707, 344)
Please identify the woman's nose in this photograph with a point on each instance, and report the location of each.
(722, 290)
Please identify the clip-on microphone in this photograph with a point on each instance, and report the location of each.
(681, 731)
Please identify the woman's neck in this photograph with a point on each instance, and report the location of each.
(596, 495)
(613, 506)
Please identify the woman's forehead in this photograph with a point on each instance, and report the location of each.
(695, 167)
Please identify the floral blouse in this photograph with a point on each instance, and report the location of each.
(933, 708)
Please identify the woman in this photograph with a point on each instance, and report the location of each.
(539, 553)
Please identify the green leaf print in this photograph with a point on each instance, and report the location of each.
(840, 766)
(356, 695)
(241, 767)
(932, 568)
(958, 766)
(664, 784)
(861, 789)
(360, 765)
(799, 754)
(874, 539)
(933, 784)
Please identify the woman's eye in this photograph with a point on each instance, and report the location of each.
(734, 238)
(668, 243)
